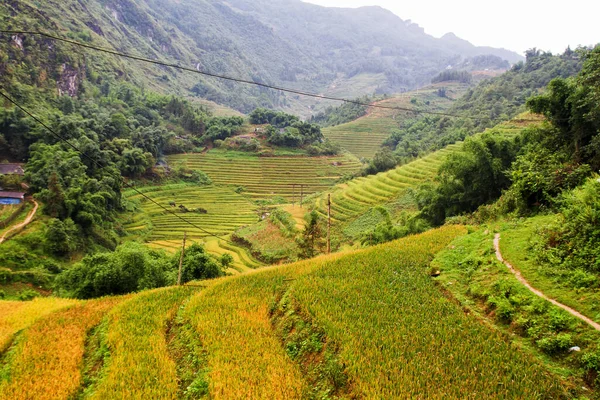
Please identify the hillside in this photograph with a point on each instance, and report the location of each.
(333, 49)
(291, 324)
(364, 136)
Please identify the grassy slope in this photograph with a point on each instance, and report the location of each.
(470, 271)
(364, 136)
(515, 245)
(58, 343)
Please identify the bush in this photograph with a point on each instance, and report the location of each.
(555, 344)
(197, 264)
(130, 268)
(572, 240)
(226, 260)
(28, 294)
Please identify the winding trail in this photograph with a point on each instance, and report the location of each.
(517, 273)
(22, 224)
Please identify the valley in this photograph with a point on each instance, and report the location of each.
(278, 200)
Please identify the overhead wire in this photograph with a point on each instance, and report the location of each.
(238, 80)
(126, 184)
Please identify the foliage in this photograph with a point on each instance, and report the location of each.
(311, 242)
(571, 105)
(346, 112)
(468, 179)
(571, 242)
(484, 106)
(383, 160)
(452, 75)
(277, 119)
(131, 267)
(197, 264)
(386, 231)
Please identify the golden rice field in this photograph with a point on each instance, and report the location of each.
(394, 333)
(266, 177)
(57, 343)
(18, 315)
(399, 336)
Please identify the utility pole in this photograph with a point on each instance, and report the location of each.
(329, 223)
(181, 260)
(301, 194)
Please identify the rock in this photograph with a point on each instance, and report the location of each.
(574, 348)
(436, 273)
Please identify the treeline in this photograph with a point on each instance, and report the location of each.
(489, 103)
(343, 113)
(122, 132)
(452, 75)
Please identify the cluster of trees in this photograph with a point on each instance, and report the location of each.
(277, 119)
(489, 103)
(452, 75)
(133, 267)
(287, 130)
(532, 171)
(346, 112)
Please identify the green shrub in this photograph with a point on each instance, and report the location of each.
(28, 294)
(555, 344)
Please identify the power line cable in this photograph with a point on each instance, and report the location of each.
(99, 166)
(238, 80)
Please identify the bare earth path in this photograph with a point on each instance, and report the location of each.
(22, 224)
(517, 273)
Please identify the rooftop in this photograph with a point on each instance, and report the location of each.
(12, 195)
(11, 169)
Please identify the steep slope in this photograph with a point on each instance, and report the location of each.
(287, 43)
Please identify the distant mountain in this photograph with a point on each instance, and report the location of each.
(347, 52)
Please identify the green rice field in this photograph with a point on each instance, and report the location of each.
(266, 177)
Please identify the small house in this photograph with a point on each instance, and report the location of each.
(10, 198)
(11, 169)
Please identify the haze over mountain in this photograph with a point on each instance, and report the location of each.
(345, 52)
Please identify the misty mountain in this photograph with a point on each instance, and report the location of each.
(340, 51)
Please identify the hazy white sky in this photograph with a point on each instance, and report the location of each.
(513, 24)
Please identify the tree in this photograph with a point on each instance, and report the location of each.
(312, 241)
(55, 199)
(197, 264)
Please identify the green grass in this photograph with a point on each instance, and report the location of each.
(226, 211)
(485, 287)
(515, 243)
(350, 200)
(266, 177)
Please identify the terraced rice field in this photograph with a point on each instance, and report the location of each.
(351, 199)
(266, 177)
(364, 136)
(385, 328)
(226, 211)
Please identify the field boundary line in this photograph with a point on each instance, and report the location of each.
(537, 292)
(22, 224)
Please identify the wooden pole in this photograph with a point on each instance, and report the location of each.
(329, 223)
(181, 260)
(301, 194)
(293, 194)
